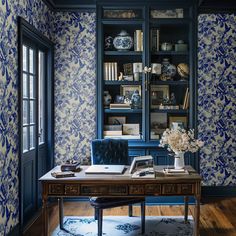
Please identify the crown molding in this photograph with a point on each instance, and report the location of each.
(204, 6)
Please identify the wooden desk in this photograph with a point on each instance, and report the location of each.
(122, 185)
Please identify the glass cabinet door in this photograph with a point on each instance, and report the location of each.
(170, 75)
(122, 77)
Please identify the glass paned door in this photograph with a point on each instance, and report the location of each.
(33, 120)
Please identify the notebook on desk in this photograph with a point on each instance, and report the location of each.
(105, 169)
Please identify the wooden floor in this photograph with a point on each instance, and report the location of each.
(218, 216)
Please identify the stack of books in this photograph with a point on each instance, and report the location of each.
(171, 171)
(63, 174)
(120, 106)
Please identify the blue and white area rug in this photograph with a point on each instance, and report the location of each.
(126, 226)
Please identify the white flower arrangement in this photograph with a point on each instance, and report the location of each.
(180, 141)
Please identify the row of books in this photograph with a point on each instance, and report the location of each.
(138, 40)
(110, 71)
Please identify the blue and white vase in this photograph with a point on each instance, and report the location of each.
(168, 71)
(123, 41)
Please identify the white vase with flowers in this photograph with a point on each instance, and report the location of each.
(180, 141)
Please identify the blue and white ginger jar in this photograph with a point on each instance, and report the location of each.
(168, 70)
(123, 41)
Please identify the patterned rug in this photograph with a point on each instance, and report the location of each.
(126, 226)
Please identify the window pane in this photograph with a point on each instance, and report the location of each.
(25, 112)
(32, 137)
(24, 58)
(32, 87)
(41, 97)
(25, 86)
(31, 61)
(32, 113)
(25, 139)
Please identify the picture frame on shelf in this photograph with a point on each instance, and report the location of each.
(128, 68)
(158, 94)
(131, 129)
(178, 119)
(116, 120)
(158, 122)
(128, 90)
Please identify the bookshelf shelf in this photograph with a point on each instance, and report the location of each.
(170, 53)
(178, 82)
(175, 111)
(122, 21)
(122, 82)
(171, 21)
(134, 111)
(122, 53)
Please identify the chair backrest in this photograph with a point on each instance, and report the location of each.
(109, 151)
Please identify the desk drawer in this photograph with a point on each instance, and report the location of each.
(72, 189)
(137, 189)
(106, 190)
(153, 189)
(178, 189)
(170, 189)
(187, 188)
(55, 189)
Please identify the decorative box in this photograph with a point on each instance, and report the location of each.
(70, 166)
(181, 46)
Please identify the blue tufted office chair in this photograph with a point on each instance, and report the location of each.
(112, 151)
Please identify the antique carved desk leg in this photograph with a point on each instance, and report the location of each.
(186, 209)
(45, 212)
(61, 213)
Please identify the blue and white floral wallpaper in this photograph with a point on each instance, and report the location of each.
(75, 85)
(217, 98)
(38, 14)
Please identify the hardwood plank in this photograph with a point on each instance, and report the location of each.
(217, 216)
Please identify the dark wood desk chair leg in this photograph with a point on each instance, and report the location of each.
(143, 217)
(130, 210)
(100, 215)
(186, 209)
(95, 213)
(61, 213)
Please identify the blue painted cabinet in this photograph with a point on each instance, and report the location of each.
(146, 72)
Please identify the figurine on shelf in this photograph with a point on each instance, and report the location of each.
(172, 99)
(106, 99)
(120, 78)
(136, 100)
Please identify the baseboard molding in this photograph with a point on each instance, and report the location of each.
(15, 231)
(218, 191)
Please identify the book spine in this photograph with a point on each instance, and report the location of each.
(141, 49)
(112, 71)
(157, 40)
(135, 41)
(116, 73)
(109, 71)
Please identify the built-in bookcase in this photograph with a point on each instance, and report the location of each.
(156, 31)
